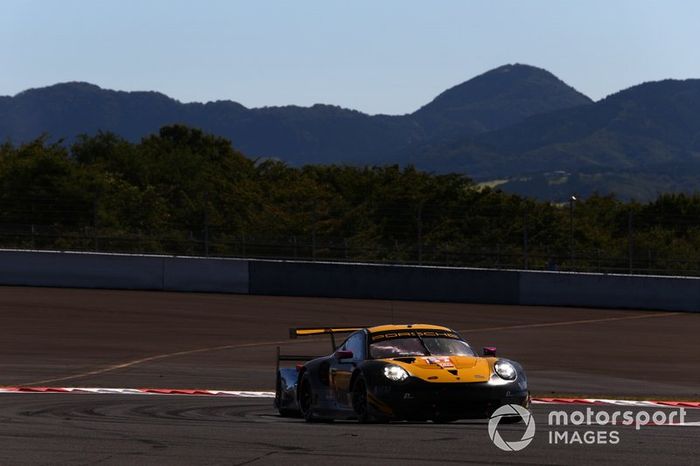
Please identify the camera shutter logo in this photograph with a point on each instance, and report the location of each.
(509, 411)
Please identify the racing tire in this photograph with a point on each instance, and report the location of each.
(283, 412)
(306, 398)
(288, 412)
(512, 419)
(361, 405)
(517, 418)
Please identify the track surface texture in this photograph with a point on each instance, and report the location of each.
(93, 429)
(101, 338)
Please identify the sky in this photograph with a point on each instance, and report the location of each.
(376, 56)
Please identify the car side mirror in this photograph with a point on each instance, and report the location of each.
(489, 351)
(343, 354)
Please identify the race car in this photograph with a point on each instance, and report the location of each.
(397, 372)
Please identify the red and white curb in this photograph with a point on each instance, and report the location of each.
(265, 394)
(139, 391)
(613, 402)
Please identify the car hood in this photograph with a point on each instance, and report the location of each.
(442, 369)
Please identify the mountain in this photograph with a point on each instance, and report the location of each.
(496, 99)
(321, 133)
(637, 142)
(298, 135)
(517, 127)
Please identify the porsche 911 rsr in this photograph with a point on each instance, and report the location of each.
(397, 372)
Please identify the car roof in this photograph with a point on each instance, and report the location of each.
(391, 327)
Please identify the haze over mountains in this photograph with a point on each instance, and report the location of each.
(517, 124)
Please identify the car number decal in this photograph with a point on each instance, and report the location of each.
(443, 362)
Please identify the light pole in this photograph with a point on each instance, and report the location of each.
(572, 199)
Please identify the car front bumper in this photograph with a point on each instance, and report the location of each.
(417, 399)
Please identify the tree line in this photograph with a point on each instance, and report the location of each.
(187, 192)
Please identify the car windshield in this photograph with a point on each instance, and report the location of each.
(412, 346)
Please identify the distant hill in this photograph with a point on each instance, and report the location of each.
(298, 135)
(516, 127)
(496, 99)
(638, 142)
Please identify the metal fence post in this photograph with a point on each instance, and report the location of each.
(206, 240)
(33, 220)
(526, 262)
(630, 241)
(94, 223)
(206, 224)
(314, 221)
(572, 199)
(419, 220)
(313, 243)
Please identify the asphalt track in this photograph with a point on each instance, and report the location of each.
(100, 338)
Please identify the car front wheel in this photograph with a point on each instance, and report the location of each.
(361, 406)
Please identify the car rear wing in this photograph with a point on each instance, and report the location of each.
(313, 331)
(292, 357)
(298, 332)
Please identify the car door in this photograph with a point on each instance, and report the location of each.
(341, 369)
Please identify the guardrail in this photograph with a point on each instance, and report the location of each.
(348, 280)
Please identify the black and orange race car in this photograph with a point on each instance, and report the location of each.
(397, 372)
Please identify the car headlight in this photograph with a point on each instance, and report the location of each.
(505, 370)
(395, 373)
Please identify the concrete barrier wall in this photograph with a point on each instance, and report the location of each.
(611, 291)
(474, 285)
(122, 271)
(373, 281)
(80, 270)
(339, 280)
(203, 274)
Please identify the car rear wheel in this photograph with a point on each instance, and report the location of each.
(284, 412)
(306, 397)
(306, 400)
